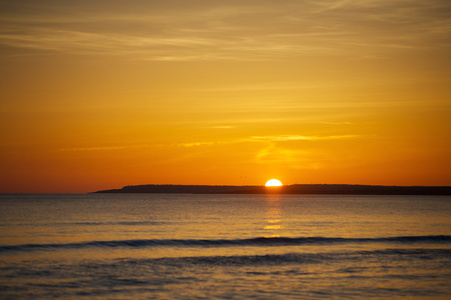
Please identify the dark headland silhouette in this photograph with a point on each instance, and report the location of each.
(335, 189)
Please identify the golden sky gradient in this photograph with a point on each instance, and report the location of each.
(102, 94)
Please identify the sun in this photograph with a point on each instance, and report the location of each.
(273, 182)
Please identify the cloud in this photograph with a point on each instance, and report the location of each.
(197, 144)
(272, 139)
(285, 138)
(294, 158)
(279, 155)
(223, 127)
(335, 123)
(226, 30)
(105, 148)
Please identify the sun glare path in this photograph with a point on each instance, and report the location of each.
(273, 182)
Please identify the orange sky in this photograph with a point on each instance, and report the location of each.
(102, 94)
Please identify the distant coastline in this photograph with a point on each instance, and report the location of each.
(322, 189)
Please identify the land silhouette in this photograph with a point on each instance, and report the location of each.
(335, 189)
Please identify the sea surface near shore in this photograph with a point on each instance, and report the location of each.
(183, 246)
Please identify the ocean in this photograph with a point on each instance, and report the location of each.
(185, 246)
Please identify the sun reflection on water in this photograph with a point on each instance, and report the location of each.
(273, 219)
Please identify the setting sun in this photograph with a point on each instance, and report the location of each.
(273, 182)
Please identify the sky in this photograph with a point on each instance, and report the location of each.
(102, 94)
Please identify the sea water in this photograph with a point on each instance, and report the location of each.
(181, 246)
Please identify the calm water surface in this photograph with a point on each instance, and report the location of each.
(178, 246)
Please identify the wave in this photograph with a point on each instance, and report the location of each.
(259, 241)
(288, 258)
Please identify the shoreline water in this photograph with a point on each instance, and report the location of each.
(184, 246)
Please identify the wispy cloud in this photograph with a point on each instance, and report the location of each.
(95, 148)
(294, 158)
(285, 138)
(272, 154)
(335, 123)
(223, 30)
(223, 127)
(197, 144)
(260, 139)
